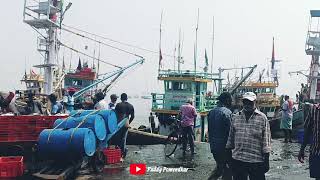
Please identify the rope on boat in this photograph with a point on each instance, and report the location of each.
(100, 42)
(84, 120)
(77, 51)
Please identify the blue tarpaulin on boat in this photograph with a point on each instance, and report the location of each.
(315, 13)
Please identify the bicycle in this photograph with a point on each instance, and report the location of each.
(174, 139)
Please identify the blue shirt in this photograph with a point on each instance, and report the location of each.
(219, 121)
(56, 108)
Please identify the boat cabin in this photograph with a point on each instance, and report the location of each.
(181, 86)
(34, 83)
(79, 78)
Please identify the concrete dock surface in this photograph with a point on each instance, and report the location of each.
(284, 164)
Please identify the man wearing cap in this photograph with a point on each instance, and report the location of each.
(188, 114)
(112, 104)
(249, 141)
(219, 120)
(68, 100)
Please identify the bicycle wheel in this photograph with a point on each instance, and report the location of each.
(171, 144)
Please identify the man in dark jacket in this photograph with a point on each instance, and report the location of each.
(219, 120)
(124, 110)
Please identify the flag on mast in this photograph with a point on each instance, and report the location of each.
(206, 61)
(79, 65)
(32, 72)
(272, 58)
(160, 58)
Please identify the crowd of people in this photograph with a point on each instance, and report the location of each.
(241, 142)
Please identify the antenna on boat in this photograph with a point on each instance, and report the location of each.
(196, 43)
(212, 45)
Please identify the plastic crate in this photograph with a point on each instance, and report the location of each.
(24, 128)
(113, 155)
(11, 166)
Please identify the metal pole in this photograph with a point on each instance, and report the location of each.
(212, 46)
(160, 55)
(49, 61)
(196, 44)
(179, 51)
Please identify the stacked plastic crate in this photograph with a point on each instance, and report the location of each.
(24, 128)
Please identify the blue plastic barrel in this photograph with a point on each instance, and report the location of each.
(66, 144)
(112, 122)
(109, 116)
(94, 122)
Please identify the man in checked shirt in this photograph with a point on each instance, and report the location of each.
(249, 141)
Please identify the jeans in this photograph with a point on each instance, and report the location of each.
(241, 170)
(187, 135)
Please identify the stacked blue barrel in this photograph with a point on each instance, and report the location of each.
(79, 135)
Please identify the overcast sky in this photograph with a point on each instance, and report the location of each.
(243, 36)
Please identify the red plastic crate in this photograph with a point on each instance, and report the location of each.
(11, 166)
(113, 155)
(24, 128)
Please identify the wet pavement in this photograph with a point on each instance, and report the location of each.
(283, 163)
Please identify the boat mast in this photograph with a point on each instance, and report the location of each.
(160, 53)
(196, 44)
(313, 49)
(273, 61)
(46, 18)
(212, 45)
(179, 52)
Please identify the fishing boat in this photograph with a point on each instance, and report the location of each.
(179, 86)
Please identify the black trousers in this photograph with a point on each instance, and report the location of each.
(220, 158)
(187, 136)
(241, 170)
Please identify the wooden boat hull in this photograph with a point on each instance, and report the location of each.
(136, 137)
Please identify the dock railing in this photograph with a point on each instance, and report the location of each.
(187, 73)
(203, 103)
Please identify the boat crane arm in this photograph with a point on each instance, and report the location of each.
(106, 89)
(235, 87)
(227, 69)
(300, 72)
(119, 71)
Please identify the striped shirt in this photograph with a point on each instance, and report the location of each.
(312, 123)
(251, 138)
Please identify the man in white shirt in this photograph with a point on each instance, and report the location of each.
(101, 103)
